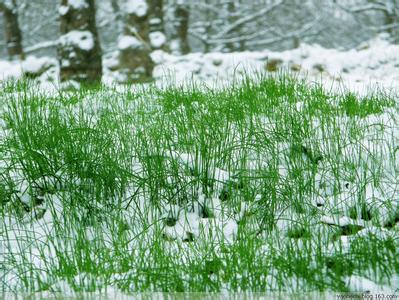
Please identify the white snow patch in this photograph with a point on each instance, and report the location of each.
(82, 39)
(9, 4)
(356, 70)
(221, 175)
(157, 39)
(65, 63)
(340, 221)
(230, 229)
(63, 10)
(137, 7)
(357, 283)
(175, 47)
(33, 64)
(155, 21)
(188, 223)
(128, 41)
(158, 57)
(379, 233)
(10, 69)
(78, 4)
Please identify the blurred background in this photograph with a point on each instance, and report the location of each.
(177, 27)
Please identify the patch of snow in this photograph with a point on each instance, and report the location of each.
(187, 224)
(111, 61)
(356, 70)
(258, 197)
(128, 41)
(70, 84)
(377, 232)
(65, 63)
(82, 39)
(9, 4)
(221, 175)
(358, 283)
(34, 65)
(78, 4)
(175, 47)
(63, 10)
(155, 21)
(173, 211)
(244, 209)
(230, 228)
(158, 56)
(157, 39)
(10, 69)
(216, 206)
(137, 7)
(340, 221)
(185, 158)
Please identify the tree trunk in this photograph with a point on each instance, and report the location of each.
(79, 50)
(12, 30)
(392, 22)
(208, 27)
(180, 43)
(118, 15)
(230, 10)
(157, 31)
(135, 63)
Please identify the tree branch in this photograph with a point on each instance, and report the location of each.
(248, 18)
(40, 46)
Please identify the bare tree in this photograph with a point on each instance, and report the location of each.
(11, 29)
(387, 10)
(390, 11)
(238, 25)
(230, 17)
(180, 44)
(134, 61)
(79, 50)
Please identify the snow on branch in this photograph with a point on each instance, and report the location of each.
(293, 34)
(248, 18)
(41, 46)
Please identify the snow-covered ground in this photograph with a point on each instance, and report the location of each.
(374, 63)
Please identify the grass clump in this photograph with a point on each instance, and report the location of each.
(269, 185)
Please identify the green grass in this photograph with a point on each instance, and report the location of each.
(90, 179)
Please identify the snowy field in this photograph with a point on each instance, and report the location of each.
(375, 64)
(274, 185)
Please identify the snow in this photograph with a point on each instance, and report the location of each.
(155, 21)
(376, 64)
(137, 7)
(361, 284)
(8, 4)
(78, 4)
(221, 175)
(63, 10)
(128, 41)
(230, 228)
(10, 69)
(175, 47)
(356, 70)
(35, 65)
(379, 62)
(82, 39)
(157, 39)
